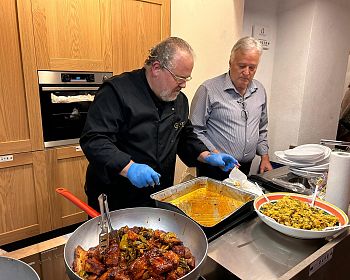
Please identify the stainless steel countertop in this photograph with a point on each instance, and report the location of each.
(252, 250)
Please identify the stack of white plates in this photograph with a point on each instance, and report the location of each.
(307, 160)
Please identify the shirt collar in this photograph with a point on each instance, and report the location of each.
(230, 87)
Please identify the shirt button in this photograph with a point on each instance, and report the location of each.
(173, 109)
(247, 141)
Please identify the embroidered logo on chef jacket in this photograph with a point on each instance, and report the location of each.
(179, 125)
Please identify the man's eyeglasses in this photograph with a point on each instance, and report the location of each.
(244, 112)
(179, 80)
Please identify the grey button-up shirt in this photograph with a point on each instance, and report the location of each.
(225, 121)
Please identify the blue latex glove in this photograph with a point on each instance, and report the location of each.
(224, 161)
(141, 175)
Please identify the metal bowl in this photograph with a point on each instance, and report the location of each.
(15, 269)
(186, 230)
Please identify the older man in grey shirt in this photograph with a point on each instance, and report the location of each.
(229, 112)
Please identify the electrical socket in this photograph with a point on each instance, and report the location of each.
(320, 261)
(6, 158)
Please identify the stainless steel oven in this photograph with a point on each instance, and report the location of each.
(65, 98)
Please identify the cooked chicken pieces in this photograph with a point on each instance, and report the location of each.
(133, 254)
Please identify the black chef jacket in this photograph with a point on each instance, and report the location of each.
(126, 121)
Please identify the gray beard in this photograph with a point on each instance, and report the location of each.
(166, 96)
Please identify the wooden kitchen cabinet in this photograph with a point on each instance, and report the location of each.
(66, 167)
(20, 123)
(97, 35)
(136, 27)
(70, 35)
(73, 35)
(25, 209)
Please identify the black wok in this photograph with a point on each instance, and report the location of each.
(186, 229)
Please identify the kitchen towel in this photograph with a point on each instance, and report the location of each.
(338, 181)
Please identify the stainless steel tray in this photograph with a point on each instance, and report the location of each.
(164, 197)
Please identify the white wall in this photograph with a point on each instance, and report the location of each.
(211, 28)
(294, 24)
(309, 64)
(262, 13)
(303, 70)
(327, 65)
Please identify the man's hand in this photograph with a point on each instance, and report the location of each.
(224, 161)
(265, 164)
(141, 175)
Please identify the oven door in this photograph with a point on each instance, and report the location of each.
(64, 111)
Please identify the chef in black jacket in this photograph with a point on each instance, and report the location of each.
(137, 124)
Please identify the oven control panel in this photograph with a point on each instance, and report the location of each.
(65, 77)
(69, 77)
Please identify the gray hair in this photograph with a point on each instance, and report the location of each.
(245, 44)
(165, 51)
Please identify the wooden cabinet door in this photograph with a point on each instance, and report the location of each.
(73, 34)
(20, 117)
(67, 169)
(24, 199)
(137, 26)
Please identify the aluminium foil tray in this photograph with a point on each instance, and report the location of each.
(164, 197)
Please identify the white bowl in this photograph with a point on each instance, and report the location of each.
(295, 232)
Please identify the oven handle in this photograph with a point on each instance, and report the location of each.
(68, 88)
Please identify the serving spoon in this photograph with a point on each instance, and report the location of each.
(267, 199)
(314, 196)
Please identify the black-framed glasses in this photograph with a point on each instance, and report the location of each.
(178, 79)
(244, 112)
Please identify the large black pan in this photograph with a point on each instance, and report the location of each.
(87, 234)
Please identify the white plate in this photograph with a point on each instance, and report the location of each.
(305, 173)
(327, 150)
(311, 154)
(295, 232)
(316, 168)
(282, 159)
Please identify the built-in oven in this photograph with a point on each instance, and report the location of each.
(65, 98)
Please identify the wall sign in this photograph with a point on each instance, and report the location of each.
(262, 33)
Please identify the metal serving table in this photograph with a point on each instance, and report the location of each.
(252, 250)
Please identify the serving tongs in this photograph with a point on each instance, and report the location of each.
(105, 223)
